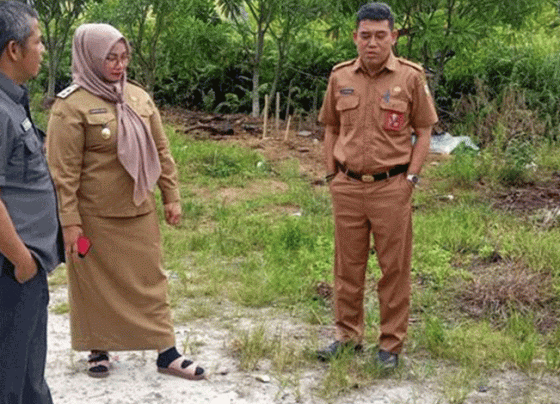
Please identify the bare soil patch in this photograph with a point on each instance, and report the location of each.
(531, 197)
(238, 194)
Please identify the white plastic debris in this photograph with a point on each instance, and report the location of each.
(444, 143)
(263, 378)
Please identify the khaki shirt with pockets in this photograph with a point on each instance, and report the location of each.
(82, 156)
(375, 116)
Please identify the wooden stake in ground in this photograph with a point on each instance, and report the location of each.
(265, 121)
(287, 128)
(277, 122)
(314, 113)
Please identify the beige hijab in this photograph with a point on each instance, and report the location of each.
(136, 149)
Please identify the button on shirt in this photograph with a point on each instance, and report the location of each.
(376, 115)
(25, 183)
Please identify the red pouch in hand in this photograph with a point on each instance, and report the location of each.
(83, 246)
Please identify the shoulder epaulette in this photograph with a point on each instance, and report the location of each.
(67, 91)
(411, 64)
(134, 82)
(347, 63)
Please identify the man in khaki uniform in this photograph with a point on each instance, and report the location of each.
(372, 106)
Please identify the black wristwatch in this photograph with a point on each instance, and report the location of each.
(413, 178)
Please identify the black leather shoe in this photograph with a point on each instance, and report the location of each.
(334, 349)
(387, 360)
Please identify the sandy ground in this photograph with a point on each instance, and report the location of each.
(134, 378)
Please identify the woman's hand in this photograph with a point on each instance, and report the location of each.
(71, 234)
(172, 213)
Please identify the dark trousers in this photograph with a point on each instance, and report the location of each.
(23, 340)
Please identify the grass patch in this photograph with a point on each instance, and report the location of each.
(253, 347)
(548, 156)
(58, 277)
(194, 310)
(61, 308)
(208, 163)
(480, 347)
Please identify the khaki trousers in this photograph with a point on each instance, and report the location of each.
(381, 208)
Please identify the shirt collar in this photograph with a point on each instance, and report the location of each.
(12, 90)
(390, 64)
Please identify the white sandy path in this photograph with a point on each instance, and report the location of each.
(134, 378)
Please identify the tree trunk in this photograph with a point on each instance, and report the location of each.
(51, 79)
(257, 69)
(255, 93)
(289, 100)
(277, 70)
(150, 81)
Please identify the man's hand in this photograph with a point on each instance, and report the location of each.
(71, 234)
(25, 270)
(173, 213)
(14, 249)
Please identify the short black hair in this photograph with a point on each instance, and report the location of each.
(376, 11)
(15, 22)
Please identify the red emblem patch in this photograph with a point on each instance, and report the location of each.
(394, 120)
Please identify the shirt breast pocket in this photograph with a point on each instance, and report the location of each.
(145, 113)
(394, 115)
(34, 165)
(348, 108)
(101, 131)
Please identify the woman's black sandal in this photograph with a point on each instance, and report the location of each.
(98, 365)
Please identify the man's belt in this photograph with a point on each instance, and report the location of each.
(396, 170)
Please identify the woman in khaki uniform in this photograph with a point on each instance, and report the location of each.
(107, 150)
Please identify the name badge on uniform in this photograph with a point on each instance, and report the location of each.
(98, 111)
(346, 91)
(26, 125)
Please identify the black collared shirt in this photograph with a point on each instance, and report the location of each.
(25, 183)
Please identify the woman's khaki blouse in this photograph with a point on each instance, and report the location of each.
(82, 156)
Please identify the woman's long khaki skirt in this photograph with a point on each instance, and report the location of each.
(118, 292)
